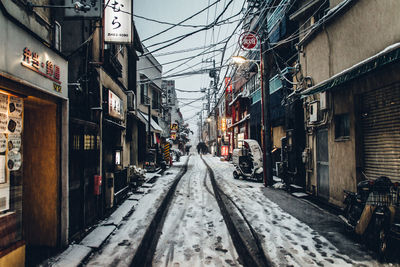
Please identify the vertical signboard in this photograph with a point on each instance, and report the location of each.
(118, 21)
(115, 106)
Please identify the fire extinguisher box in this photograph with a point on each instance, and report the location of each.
(97, 185)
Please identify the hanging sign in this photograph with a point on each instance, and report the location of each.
(118, 21)
(248, 40)
(228, 84)
(223, 124)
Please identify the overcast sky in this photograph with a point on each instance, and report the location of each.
(174, 11)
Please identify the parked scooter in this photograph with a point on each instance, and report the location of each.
(248, 161)
(370, 212)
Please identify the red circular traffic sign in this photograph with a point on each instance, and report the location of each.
(248, 40)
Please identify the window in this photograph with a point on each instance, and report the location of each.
(143, 93)
(342, 126)
(88, 142)
(76, 145)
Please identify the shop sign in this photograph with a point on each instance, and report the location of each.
(118, 21)
(223, 124)
(174, 127)
(224, 150)
(173, 135)
(45, 67)
(228, 84)
(115, 106)
(228, 122)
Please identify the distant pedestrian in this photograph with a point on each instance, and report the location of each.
(198, 148)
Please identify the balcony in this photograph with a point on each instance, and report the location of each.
(277, 22)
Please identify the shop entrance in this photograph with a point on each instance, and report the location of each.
(41, 176)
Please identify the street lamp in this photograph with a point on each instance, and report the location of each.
(266, 123)
(241, 60)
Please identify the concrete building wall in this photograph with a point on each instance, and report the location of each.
(364, 30)
(370, 25)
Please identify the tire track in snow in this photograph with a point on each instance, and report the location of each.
(200, 237)
(290, 246)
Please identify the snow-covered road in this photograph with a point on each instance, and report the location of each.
(285, 240)
(194, 232)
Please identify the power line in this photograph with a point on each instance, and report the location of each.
(191, 33)
(192, 16)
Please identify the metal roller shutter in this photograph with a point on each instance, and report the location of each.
(381, 130)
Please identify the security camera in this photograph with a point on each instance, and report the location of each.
(81, 7)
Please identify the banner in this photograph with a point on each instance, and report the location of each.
(118, 21)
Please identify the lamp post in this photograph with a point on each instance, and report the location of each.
(266, 122)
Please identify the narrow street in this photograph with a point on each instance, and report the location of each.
(193, 232)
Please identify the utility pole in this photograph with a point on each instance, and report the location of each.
(266, 116)
(215, 108)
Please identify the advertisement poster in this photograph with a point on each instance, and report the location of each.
(3, 122)
(4, 198)
(3, 169)
(3, 103)
(14, 160)
(14, 142)
(15, 107)
(14, 125)
(3, 143)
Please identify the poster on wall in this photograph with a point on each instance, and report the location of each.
(3, 169)
(15, 107)
(14, 142)
(14, 125)
(3, 142)
(14, 160)
(3, 122)
(3, 103)
(4, 198)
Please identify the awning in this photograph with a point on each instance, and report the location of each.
(385, 57)
(154, 126)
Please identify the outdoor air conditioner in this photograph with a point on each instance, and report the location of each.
(131, 100)
(313, 111)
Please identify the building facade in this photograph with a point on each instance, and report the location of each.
(351, 95)
(34, 135)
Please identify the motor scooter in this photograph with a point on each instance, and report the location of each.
(248, 161)
(370, 212)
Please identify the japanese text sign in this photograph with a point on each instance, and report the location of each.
(115, 105)
(224, 150)
(118, 21)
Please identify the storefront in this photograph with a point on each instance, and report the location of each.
(33, 146)
(114, 154)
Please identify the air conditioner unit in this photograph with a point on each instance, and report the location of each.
(313, 111)
(131, 100)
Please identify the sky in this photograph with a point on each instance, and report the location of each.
(174, 11)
